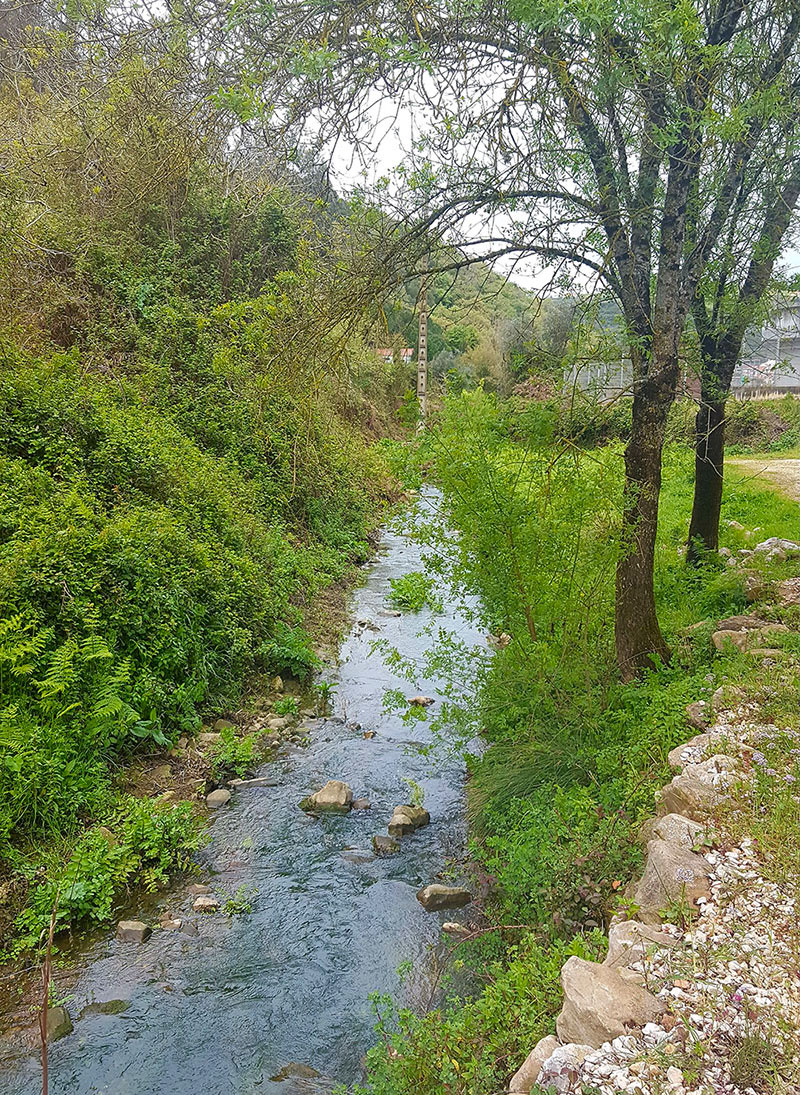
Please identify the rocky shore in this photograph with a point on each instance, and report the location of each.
(699, 993)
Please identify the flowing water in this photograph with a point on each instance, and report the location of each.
(224, 1011)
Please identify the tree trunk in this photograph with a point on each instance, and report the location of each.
(709, 456)
(639, 641)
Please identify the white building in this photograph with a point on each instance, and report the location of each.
(770, 364)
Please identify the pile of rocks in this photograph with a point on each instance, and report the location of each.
(670, 1011)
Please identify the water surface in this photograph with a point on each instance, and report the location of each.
(222, 1012)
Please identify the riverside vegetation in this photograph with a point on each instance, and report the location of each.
(575, 756)
(190, 415)
(184, 458)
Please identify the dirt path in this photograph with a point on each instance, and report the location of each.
(784, 473)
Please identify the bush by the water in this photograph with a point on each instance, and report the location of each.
(185, 417)
(557, 800)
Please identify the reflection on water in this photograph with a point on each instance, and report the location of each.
(247, 999)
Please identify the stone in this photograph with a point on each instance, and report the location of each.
(189, 927)
(698, 715)
(452, 927)
(528, 1073)
(629, 941)
(420, 701)
(107, 836)
(59, 1023)
(678, 829)
(385, 845)
(279, 722)
(789, 591)
(170, 924)
(735, 525)
(209, 738)
(362, 804)
(776, 544)
(405, 819)
(561, 1069)
(677, 758)
(277, 684)
(674, 1077)
(133, 931)
(295, 1071)
(723, 638)
(699, 789)
(198, 888)
(389, 613)
(224, 724)
(435, 897)
(206, 904)
(600, 1004)
(672, 873)
(334, 797)
(741, 623)
(256, 781)
(220, 797)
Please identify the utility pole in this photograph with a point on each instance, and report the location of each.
(422, 349)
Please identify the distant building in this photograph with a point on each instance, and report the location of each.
(770, 364)
(387, 354)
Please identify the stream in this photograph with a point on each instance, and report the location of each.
(226, 1010)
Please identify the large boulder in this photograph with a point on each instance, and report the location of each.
(629, 941)
(528, 1073)
(677, 829)
(435, 897)
(335, 797)
(672, 873)
(699, 789)
(562, 1068)
(600, 1003)
(405, 819)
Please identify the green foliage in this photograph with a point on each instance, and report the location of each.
(139, 839)
(241, 903)
(287, 705)
(556, 803)
(472, 1048)
(290, 650)
(234, 755)
(413, 591)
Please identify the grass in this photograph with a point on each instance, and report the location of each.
(556, 802)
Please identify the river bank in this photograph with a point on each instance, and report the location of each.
(287, 983)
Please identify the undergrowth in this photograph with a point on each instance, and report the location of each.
(557, 800)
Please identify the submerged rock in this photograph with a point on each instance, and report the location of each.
(206, 904)
(435, 897)
(362, 804)
(334, 797)
(133, 931)
(420, 701)
(294, 1070)
(385, 845)
(59, 1023)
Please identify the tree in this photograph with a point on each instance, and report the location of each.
(727, 302)
(606, 140)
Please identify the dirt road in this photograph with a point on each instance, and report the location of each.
(783, 472)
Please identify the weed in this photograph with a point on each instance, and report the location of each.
(241, 903)
(287, 705)
(413, 591)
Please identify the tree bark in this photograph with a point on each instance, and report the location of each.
(709, 457)
(639, 642)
